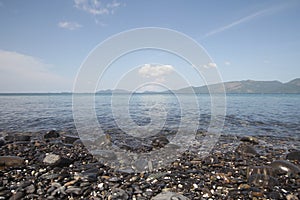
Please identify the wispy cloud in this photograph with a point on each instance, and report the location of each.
(23, 73)
(69, 25)
(246, 19)
(228, 63)
(97, 7)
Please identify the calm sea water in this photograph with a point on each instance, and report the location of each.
(246, 114)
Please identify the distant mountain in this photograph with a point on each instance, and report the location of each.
(116, 91)
(249, 86)
(232, 87)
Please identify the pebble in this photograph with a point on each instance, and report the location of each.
(291, 197)
(250, 139)
(246, 150)
(11, 161)
(285, 166)
(294, 155)
(169, 196)
(56, 160)
(262, 180)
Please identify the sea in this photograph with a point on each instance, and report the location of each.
(244, 114)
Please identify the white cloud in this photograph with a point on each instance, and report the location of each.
(23, 73)
(157, 71)
(228, 63)
(210, 65)
(96, 7)
(69, 25)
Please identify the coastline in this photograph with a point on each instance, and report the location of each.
(56, 165)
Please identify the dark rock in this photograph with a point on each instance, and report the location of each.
(51, 134)
(246, 150)
(262, 180)
(18, 138)
(250, 139)
(160, 141)
(285, 166)
(118, 194)
(2, 142)
(169, 196)
(294, 155)
(56, 160)
(69, 139)
(17, 196)
(11, 161)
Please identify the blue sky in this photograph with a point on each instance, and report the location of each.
(43, 44)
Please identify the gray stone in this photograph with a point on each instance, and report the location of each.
(169, 196)
(11, 161)
(56, 160)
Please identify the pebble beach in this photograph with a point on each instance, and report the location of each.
(56, 165)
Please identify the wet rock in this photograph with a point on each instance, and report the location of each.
(246, 150)
(69, 139)
(294, 155)
(51, 134)
(250, 139)
(19, 138)
(118, 194)
(266, 170)
(56, 160)
(285, 166)
(11, 161)
(160, 141)
(262, 180)
(169, 196)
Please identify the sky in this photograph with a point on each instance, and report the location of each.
(44, 43)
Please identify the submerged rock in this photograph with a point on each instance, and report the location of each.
(51, 134)
(11, 161)
(169, 196)
(160, 141)
(285, 166)
(250, 139)
(294, 155)
(69, 139)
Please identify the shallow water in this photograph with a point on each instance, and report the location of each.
(246, 114)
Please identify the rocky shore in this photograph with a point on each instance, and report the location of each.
(55, 165)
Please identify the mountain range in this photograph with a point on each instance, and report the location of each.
(236, 87)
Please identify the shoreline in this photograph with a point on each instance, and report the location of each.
(56, 165)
